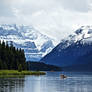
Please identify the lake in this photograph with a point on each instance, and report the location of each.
(51, 82)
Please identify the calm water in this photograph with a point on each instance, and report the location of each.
(76, 82)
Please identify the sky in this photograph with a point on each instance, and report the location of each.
(55, 18)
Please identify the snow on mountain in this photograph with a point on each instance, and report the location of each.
(73, 49)
(83, 34)
(35, 44)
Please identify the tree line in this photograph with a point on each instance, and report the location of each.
(11, 58)
(40, 66)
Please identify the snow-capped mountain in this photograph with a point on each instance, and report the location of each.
(74, 50)
(83, 34)
(34, 43)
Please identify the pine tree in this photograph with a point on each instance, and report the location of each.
(11, 57)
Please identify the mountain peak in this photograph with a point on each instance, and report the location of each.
(84, 30)
(34, 43)
(83, 33)
(75, 50)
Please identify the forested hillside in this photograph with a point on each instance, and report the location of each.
(11, 58)
(40, 66)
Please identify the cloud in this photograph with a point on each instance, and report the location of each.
(76, 5)
(56, 18)
(5, 8)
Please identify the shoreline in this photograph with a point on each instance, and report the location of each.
(15, 73)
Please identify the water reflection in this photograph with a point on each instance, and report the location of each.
(76, 82)
(11, 84)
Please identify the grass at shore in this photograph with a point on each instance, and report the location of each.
(15, 73)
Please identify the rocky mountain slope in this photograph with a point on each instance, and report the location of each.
(75, 50)
(34, 43)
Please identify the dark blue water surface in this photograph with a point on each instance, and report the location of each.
(51, 82)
